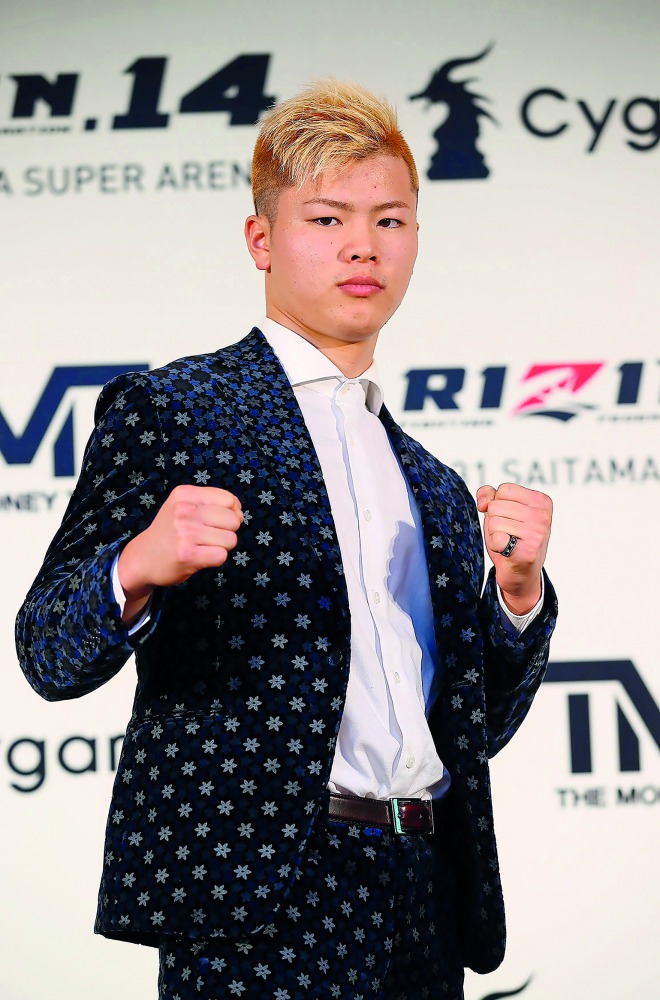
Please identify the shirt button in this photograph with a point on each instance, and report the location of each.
(367, 515)
(397, 677)
(410, 761)
(376, 597)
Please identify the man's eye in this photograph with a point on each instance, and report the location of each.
(327, 220)
(390, 223)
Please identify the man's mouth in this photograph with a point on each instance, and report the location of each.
(361, 285)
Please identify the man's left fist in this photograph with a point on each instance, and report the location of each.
(513, 511)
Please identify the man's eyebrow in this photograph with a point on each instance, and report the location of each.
(346, 206)
(391, 204)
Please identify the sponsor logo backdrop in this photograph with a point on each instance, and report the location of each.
(527, 350)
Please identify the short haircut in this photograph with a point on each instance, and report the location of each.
(324, 128)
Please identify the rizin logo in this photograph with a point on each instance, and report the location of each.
(559, 390)
(556, 388)
(457, 156)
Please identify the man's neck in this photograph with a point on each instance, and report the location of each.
(351, 358)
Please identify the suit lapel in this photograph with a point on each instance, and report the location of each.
(449, 551)
(259, 391)
(429, 492)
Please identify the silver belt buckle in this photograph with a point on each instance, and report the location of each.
(396, 818)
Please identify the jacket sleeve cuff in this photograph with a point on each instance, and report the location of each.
(120, 600)
(518, 623)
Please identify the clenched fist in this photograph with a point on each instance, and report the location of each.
(194, 529)
(526, 515)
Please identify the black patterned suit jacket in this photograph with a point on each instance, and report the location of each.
(242, 670)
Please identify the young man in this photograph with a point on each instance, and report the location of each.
(302, 806)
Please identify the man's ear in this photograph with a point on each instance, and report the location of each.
(257, 237)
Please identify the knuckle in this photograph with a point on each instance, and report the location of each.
(541, 500)
(183, 553)
(181, 516)
(231, 539)
(231, 521)
(182, 491)
(541, 521)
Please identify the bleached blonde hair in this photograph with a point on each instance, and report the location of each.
(323, 128)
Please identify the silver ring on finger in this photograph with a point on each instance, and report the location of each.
(509, 547)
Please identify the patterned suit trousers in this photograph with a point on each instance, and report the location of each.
(371, 917)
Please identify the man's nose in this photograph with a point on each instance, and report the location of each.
(359, 243)
(360, 248)
(365, 253)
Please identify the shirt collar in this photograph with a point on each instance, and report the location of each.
(304, 363)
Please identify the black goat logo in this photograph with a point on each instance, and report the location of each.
(457, 156)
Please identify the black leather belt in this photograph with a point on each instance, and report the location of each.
(403, 816)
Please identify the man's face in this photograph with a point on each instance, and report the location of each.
(340, 253)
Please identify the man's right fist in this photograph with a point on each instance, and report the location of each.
(194, 529)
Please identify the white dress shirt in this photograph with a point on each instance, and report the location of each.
(384, 746)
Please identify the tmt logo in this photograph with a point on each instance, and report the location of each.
(637, 705)
(559, 390)
(20, 449)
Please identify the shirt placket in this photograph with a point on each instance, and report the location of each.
(374, 537)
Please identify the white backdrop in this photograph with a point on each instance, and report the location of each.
(123, 247)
